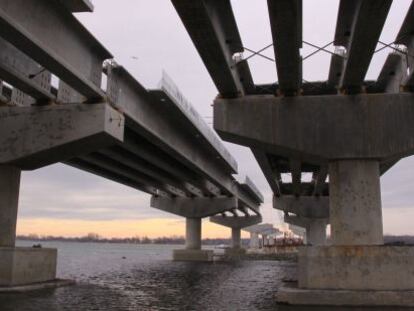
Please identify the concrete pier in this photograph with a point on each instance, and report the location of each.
(193, 233)
(192, 251)
(19, 266)
(9, 200)
(235, 238)
(355, 200)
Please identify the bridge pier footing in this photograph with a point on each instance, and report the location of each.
(357, 269)
(193, 251)
(19, 266)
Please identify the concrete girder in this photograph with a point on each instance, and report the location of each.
(78, 6)
(66, 49)
(296, 172)
(258, 228)
(304, 207)
(22, 72)
(363, 21)
(315, 127)
(268, 171)
(336, 67)
(99, 171)
(392, 74)
(236, 222)
(405, 37)
(213, 30)
(121, 169)
(33, 137)
(149, 121)
(194, 207)
(319, 180)
(286, 23)
(136, 164)
(179, 109)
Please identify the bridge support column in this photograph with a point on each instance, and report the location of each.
(357, 269)
(19, 266)
(193, 233)
(236, 238)
(236, 224)
(355, 202)
(316, 232)
(254, 240)
(193, 251)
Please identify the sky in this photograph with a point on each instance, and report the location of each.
(148, 37)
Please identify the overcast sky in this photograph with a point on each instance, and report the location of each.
(147, 37)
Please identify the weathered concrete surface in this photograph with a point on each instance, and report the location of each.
(355, 203)
(303, 206)
(33, 137)
(193, 233)
(21, 266)
(194, 207)
(324, 297)
(316, 127)
(356, 268)
(235, 238)
(192, 255)
(9, 200)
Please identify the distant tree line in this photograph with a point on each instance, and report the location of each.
(399, 240)
(96, 238)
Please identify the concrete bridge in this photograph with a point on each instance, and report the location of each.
(347, 128)
(151, 140)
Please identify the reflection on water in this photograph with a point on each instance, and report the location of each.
(129, 277)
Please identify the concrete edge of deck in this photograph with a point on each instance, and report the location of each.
(290, 294)
(37, 286)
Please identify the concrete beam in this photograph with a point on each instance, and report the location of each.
(405, 37)
(270, 174)
(194, 207)
(236, 222)
(121, 169)
(148, 119)
(20, 71)
(393, 73)
(368, 19)
(78, 6)
(181, 110)
(286, 24)
(33, 137)
(304, 206)
(314, 128)
(110, 175)
(213, 30)
(67, 49)
(336, 67)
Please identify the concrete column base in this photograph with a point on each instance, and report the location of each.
(192, 255)
(353, 276)
(23, 266)
(345, 298)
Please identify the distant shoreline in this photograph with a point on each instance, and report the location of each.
(135, 240)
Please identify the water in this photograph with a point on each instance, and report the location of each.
(143, 277)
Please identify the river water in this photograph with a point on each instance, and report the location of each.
(143, 277)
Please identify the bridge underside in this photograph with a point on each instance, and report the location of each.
(151, 140)
(320, 144)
